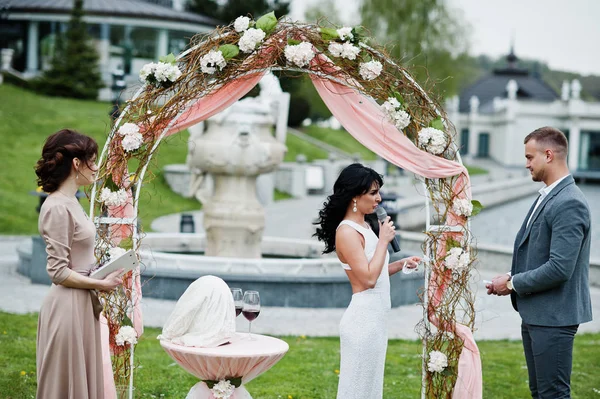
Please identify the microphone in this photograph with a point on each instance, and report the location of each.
(381, 215)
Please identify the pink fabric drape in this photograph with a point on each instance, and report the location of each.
(366, 122)
(215, 102)
(110, 391)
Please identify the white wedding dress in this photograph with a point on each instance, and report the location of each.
(363, 332)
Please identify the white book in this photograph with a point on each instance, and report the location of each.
(128, 261)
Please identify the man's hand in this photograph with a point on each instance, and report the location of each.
(498, 286)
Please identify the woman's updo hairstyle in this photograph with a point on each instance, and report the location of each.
(53, 168)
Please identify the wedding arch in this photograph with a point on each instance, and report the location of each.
(374, 98)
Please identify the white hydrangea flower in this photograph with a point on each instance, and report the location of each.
(223, 389)
(433, 140)
(462, 207)
(132, 141)
(241, 24)
(345, 33)
(113, 198)
(336, 49)
(350, 51)
(370, 70)
(211, 60)
(250, 39)
(397, 116)
(116, 252)
(146, 71)
(299, 54)
(128, 128)
(126, 334)
(166, 72)
(437, 362)
(457, 259)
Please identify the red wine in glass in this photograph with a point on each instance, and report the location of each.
(238, 310)
(251, 315)
(238, 300)
(251, 308)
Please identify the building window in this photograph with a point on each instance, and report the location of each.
(589, 151)
(483, 147)
(464, 141)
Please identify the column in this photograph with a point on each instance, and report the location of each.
(473, 126)
(33, 42)
(574, 143)
(162, 43)
(104, 48)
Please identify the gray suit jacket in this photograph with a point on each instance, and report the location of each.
(551, 260)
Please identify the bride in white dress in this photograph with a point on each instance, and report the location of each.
(346, 226)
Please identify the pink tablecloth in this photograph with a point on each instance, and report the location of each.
(241, 358)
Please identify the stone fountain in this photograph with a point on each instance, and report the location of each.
(235, 149)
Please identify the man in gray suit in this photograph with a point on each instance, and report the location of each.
(548, 283)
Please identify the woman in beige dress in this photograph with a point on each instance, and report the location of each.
(69, 358)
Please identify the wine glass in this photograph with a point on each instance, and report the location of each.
(238, 300)
(251, 309)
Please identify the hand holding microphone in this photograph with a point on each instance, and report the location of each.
(382, 216)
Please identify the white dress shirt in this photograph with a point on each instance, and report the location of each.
(543, 194)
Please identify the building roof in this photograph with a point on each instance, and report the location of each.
(494, 85)
(124, 8)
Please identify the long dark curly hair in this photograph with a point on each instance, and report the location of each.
(354, 180)
(60, 148)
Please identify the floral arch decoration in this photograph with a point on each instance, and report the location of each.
(374, 98)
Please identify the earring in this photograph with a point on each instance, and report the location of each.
(354, 207)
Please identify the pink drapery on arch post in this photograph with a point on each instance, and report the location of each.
(201, 110)
(365, 121)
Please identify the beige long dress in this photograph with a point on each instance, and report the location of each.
(69, 356)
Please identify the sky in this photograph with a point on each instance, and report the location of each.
(564, 34)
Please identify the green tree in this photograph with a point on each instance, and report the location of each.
(74, 69)
(227, 11)
(427, 36)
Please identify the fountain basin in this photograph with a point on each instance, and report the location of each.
(292, 272)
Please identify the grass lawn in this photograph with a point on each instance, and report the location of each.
(28, 118)
(340, 139)
(308, 371)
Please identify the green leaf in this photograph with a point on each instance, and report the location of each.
(236, 382)
(399, 97)
(126, 321)
(477, 207)
(229, 51)
(293, 42)
(210, 383)
(126, 243)
(168, 59)
(452, 243)
(437, 124)
(267, 22)
(329, 34)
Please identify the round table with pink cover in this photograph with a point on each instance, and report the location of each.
(242, 357)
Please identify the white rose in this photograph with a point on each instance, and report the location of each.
(370, 70)
(241, 24)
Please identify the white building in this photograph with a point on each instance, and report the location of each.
(493, 116)
(147, 29)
